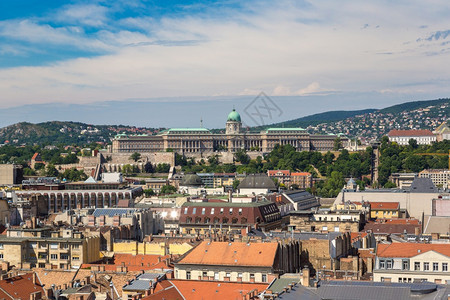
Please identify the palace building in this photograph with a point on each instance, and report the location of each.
(201, 140)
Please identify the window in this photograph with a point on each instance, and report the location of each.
(444, 267)
(204, 274)
(221, 210)
(416, 266)
(231, 211)
(1, 255)
(53, 256)
(75, 258)
(252, 276)
(324, 228)
(216, 275)
(228, 274)
(53, 246)
(33, 245)
(76, 246)
(188, 275)
(1, 246)
(186, 210)
(240, 211)
(212, 210)
(426, 266)
(405, 265)
(65, 246)
(435, 266)
(264, 278)
(382, 264)
(239, 275)
(203, 210)
(388, 264)
(194, 210)
(42, 255)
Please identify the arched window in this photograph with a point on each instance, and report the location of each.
(216, 220)
(225, 220)
(243, 220)
(198, 220)
(188, 220)
(207, 220)
(234, 220)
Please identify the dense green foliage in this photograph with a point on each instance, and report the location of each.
(395, 158)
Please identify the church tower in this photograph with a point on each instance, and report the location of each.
(234, 124)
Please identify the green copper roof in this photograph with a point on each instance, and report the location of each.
(234, 116)
(268, 130)
(185, 131)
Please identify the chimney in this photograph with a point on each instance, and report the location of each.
(34, 279)
(416, 230)
(305, 276)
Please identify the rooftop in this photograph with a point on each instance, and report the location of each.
(411, 133)
(411, 249)
(232, 254)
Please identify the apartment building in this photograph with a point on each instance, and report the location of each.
(440, 178)
(44, 248)
(412, 262)
(233, 262)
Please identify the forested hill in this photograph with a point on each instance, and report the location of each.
(67, 133)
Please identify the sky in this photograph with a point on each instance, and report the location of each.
(181, 61)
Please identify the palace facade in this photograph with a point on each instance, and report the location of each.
(201, 140)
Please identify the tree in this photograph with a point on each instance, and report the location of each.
(236, 183)
(135, 156)
(51, 171)
(168, 189)
(39, 166)
(390, 185)
(337, 144)
(149, 192)
(242, 156)
(413, 143)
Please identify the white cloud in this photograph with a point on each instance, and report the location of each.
(281, 47)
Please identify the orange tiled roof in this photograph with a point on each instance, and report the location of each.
(399, 221)
(356, 235)
(301, 174)
(232, 254)
(20, 287)
(410, 249)
(200, 290)
(56, 277)
(137, 262)
(384, 205)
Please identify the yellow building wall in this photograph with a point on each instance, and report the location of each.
(384, 214)
(150, 248)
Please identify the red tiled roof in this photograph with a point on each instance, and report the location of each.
(396, 132)
(167, 293)
(232, 254)
(34, 156)
(200, 290)
(410, 249)
(20, 287)
(384, 205)
(392, 226)
(356, 235)
(134, 262)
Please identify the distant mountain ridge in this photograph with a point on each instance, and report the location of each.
(365, 124)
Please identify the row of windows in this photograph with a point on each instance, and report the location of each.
(216, 220)
(389, 263)
(212, 211)
(228, 274)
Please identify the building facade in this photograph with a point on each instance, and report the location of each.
(440, 178)
(201, 140)
(412, 262)
(402, 137)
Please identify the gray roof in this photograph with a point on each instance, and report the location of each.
(349, 290)
(257, 181)
(143, 282)
(191, 180)
(110, 212)
(306, 235)
(423, 185)
(436, 224)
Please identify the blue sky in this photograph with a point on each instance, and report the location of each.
(321, 53)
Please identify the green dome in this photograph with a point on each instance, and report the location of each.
(234, 116)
